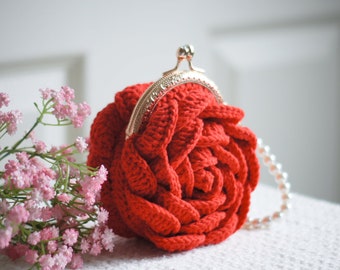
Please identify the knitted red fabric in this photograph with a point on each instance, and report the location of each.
(186, 179)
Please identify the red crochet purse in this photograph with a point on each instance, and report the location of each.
(181, 168)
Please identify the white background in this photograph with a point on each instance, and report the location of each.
(278, 60)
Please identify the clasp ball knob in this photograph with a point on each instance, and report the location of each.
(185, 52)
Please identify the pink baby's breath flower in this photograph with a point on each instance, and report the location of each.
(57, 212)
(22, 157)
(3, 206)
(34, 238)
(52, 246)
(81, 144)
(84, 110)
(96, 234)
(35, 210)
(63, 197)
(89, 189)
(90, 186)
(64, 106)
(36, 196)
(67, 93)
(46, 213)
(4, 99)
(16, 251)
(103, 215)
(49, 233)
(107, 239)
(40, 147)
(63, 257)
(101, 175)
(47, 192)
(11, 119)
(18, 173)
(17, 178)
(95, 249)
(32, 136)
(46, 93)
(18, 214)
(70, 237)
(77, 262)
(46, 262)
(5, 236)
(31, 256)
(84, 245)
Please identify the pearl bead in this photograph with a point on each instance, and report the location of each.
(284, 187)
(286, 197)
(281, 176)
(269, 160)
(266, 220)
(275, 168)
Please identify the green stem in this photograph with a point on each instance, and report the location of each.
(15, 146)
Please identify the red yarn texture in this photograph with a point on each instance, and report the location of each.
(186, 179)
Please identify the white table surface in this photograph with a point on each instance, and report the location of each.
(306, 238)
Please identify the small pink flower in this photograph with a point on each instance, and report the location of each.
(54, 232)
(101, 174)
(47, 192)
(31, 256)
(103, 215)
(46, 213)
(19, 173)
(84, 245)
(89, 189)
(57, 212)
(70, 237)
(35, 213)
(23, 158)
(3, 206)
(5, 237)
(49, 233)
(32, 136)
(96, 249)
(84, 110)
(63, 197)
(36, 196)
(46, 93)
(16, 251)
(18, 214)
(96, 234)
(46, 262)
(40, 147)
(77, 262)
(90, 186)
(52, 246)
(67, 93)
(4, 99)
(34, 238)
(81, 144)
(63, 256)
(107, 239)
(11, 119)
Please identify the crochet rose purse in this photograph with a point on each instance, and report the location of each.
(181, 167)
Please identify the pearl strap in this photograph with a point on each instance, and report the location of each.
(280, 177)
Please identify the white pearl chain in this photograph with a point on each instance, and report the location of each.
(280, 177)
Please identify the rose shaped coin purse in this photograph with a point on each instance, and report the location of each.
(181, 167)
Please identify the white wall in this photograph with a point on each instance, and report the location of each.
(279, 60)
